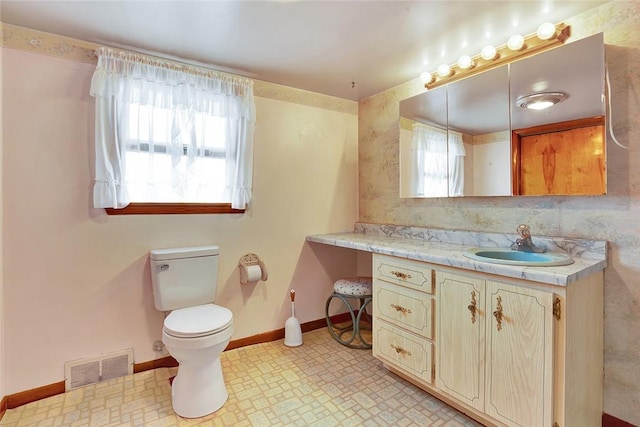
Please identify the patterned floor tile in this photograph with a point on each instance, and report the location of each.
(320, 384)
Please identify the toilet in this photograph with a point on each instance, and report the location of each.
(195, 331)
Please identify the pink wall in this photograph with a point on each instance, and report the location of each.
(76, 280)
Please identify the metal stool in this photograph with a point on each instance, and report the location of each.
(345, 289)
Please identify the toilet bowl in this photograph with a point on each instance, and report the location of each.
(196, 331)
(195, 337)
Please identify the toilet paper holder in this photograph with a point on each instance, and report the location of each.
(247, 261)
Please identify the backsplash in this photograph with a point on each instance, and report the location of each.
(584, 248)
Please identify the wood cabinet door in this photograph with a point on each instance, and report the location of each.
(519, 377)
(460, 337)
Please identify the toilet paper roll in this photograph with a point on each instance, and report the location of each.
(254, 273)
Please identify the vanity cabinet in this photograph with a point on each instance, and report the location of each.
(495, 348)
(507, 352)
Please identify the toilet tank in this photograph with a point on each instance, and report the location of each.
(184, 277)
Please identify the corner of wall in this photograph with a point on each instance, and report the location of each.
(1, 252)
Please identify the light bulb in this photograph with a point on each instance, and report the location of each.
(540, 105)
(488, 53)
(444, 70)
(465, 62)
(426, 77)
(515, 42)
(546, 31)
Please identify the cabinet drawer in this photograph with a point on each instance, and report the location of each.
(407, 308)
(403, 350)
(413, 274)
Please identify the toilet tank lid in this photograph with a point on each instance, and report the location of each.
(178, 253)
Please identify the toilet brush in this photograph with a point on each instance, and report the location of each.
(292, 330)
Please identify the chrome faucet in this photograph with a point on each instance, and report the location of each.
(524, 243)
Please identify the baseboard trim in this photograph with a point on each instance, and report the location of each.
(611, 421)
(3, 406)
(22, 398)
(164, 362)
(278, 334)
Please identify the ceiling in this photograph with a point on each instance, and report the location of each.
(321, 46)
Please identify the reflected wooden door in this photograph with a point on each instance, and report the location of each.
(560, 161)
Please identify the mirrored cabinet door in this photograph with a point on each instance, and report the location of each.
(478, 111)
(560, 150)
(480, 136)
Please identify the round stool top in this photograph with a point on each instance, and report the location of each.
(354, 286)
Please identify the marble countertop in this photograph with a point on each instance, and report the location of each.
(445, 247)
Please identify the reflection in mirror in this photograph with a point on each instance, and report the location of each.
(507, 149)
(560, 150)
(576, 69)
(478, 108)
(472, 117)
(423, 145)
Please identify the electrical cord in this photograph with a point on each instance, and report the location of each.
(613, 137)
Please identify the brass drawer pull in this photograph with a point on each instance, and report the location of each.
(401, 275)
(401, 350)
(473, 307)
(498, 313)
(401, 309)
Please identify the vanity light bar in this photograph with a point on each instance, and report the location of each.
(533, 43)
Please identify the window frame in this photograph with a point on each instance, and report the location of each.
(174, 208)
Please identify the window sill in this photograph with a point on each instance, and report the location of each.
(174, 208)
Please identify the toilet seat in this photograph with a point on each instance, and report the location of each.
(198, 321)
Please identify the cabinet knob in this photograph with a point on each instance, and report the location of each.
(401, 275)
(473, 307)
(401, 309)
(400, 350)
(498, 313)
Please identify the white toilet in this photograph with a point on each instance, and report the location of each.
(196, 331)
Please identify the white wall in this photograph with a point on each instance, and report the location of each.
(77, 281)
(492, 168)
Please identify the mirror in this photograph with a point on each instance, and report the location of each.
(495, 147)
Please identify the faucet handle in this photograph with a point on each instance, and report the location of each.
(524, 231)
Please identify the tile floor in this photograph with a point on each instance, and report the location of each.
(320, 383)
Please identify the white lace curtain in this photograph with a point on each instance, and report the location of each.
(456, 164)
(439, 160)
(125, 82)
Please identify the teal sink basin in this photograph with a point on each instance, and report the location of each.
(511, 257)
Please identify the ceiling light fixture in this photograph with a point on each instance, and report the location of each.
(540, 101)
(517, 47)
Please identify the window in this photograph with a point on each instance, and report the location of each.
(153, 157)
(170, 139)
